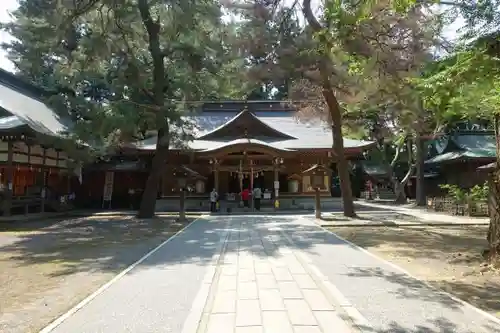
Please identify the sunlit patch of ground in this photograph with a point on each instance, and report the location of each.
(447, 257)
(48, 267)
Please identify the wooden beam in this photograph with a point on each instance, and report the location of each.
(9, 177)
(44, 178)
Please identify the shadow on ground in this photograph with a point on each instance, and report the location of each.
(84, 244)
(449, 258)
(439, 325)
(106, 243)
(466, 242)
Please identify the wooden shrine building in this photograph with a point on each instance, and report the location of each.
(458, 156)
(244, 144)
(34, 171)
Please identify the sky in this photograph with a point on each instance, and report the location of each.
(9, 5)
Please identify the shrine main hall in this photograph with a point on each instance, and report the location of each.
(243, 144)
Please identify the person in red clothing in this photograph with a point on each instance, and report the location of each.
(245, 196)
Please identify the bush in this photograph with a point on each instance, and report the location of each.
(458, 194)
(477, 193)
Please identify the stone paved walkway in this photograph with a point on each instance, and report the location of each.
(263, 285)
(270, 274)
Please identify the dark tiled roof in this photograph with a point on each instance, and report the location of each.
(29, 110)
(251, 124)
(309, 134)
(464, 146)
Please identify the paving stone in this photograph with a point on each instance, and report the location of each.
(229, 270)
(289, 290)
(277, 261)
(246, 262)
(247, 290)
(295, 267)
(282, 274)
(230, 258)
(248, 313)
(317, 300)
(299, 312)
(308, 329)
(263, 267)
(304, 281)
(246, 275)
(227, 282)
(271, 300)
(276, 322)
(250, 329)
(266, 281)
(330, 321)
(225, 302)
(221, 323)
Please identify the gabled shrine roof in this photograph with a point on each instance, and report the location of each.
(295, 134)
(23, 106)
(251, 125)
(464, 145)
(242, 141)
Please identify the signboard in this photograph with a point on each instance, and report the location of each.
(276, 184)
(108, 186)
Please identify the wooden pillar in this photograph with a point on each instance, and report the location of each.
(317, 203)
(251, 185)
(276, 190)
(182, 205)
(240, 176)
(9, 177)
(215, 169)
(216, 178)
(58, 170)
(44, 178)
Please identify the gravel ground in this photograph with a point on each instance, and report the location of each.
(157, 295)
(389, 299)
(47, 267)
(447, 257)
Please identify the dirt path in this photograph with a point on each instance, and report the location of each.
(44, 272)
(447, 257)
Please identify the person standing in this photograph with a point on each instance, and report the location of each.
(257, 195)
(245, 195)
(213, 200)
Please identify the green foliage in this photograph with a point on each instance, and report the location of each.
(479, 192)
(475, 194)
(454, 191)
(97, 55)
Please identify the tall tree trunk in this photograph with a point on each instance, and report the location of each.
(399, 186)
(335, 113)
(420, 164)
(342, 168)
(493, 236)
(148, 201)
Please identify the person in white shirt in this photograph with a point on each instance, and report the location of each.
(213, 200)
(257, 195)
